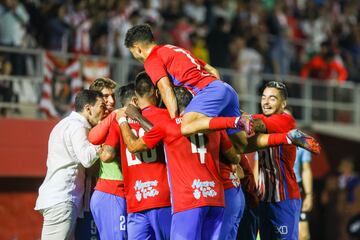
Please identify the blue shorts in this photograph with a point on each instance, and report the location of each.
(218, 99)
(150, 224)
(109, 213)
(249, 224)
(234, 208)
(86, 228)
(197, 223)
(280, 220)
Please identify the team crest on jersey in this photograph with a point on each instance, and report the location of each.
(203, 189)
(234, 179)
(178, 120)
(146, 189)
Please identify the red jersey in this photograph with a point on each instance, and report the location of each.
(193, 165)
(182, 68)
(146, 184)
(230, 179)
(276, 164)
(318, 68)
(110, 179)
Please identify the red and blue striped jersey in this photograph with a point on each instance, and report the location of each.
(276, 164)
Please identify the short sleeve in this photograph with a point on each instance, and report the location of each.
(306, 156)
(155, 68)
(154, 136)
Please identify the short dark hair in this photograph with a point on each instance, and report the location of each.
(139, 33)
(280, 86)
(86, 97)
(125, 93)
(100, 83)
(183, 97)
(144, 85)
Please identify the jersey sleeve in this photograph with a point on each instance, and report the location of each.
(155, 68)
(306, 156)
(201, 62)
(277, 123)
(113, 137)
(225, 142)
(154, 136)
(98, 134)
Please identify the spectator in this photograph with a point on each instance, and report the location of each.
(343, 192)
(57, 29)
(280, 50)
(181, 33)
(7, 94)
(248, 64)
(196, 11)
(77, 18)
(13, 21)
(199, 47)
(218, 41)
(325, 66)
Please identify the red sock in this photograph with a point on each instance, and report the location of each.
(218, 123)
(278, 139)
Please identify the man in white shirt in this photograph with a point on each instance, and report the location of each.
(69, 153)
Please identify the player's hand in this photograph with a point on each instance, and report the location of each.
(239, 171)
(307, 203)
(245, 123)
(134, 113)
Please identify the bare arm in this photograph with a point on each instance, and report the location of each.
(307, 183)
(108, 154)
(133, 143)
(168, 96)
(212, 70)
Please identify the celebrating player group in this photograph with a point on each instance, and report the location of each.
(174, 172)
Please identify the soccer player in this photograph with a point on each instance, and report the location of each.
(176, 145)
(146, 184)
(170, 66)
(303, 175)
(60, 198)
(196, 188)
(107, 203)
(279, 208)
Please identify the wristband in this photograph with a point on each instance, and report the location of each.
(122, 120)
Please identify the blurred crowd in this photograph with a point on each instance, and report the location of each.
(312, 38)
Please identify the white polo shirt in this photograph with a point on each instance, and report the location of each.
(69, 153)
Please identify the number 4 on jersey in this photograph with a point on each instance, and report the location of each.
(198, 146)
